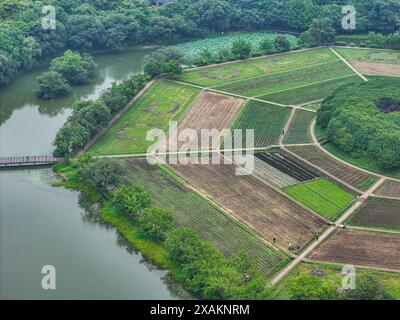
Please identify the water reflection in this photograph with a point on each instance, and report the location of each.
(28, 125)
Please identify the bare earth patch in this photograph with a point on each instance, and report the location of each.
(364, 248)
(377, 68)
(210, 111)
(254, 203)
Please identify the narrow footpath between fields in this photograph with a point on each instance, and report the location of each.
(328, 232)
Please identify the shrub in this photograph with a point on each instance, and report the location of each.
(52, 85)
(131, 200)
(156, 223)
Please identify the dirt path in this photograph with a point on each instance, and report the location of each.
(326, 234)
(348, 64)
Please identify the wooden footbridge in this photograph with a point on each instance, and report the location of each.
(28, 161)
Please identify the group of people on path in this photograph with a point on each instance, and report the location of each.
(298, 244)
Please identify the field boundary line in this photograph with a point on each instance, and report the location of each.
(132, 155)
(298, 144)
(348, 64)
(188, 84)
(252, 59)
(287, 126)
(232, 94)
(322, 170)
(327, 233)
(363, 48)
(310, 102)
(117, 117)
(384, 197)
(371, 229)
(306, 85)
(228, 213)
(284, 194)
(274, 73)
(248, 98)
(316, 143)
(308, 260)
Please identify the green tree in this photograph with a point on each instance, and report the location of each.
(368, 287)
(282, 44)
(307, 287)
(154, 62)
(156, 223)
(101, 174)
(171, 68)
(5, 69)
(52, 85)
(320, 33)
(205, 58)
(131, 200)
(241, 49)
(267, 46)
(75, 68)
(31, 51)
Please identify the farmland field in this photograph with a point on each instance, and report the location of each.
(288, 165)
(254, 203)
(192, 49)
(277, 82)
(364, 248)
(371, 55)
(377, 69)
(268, 122)
(161, 103)
(192, 210)
(210, 111)
(389, 188)
(221, 74)
(317, 157)
(311, 92)
(379, 214)
(322, 196)
(299, 130)
(271, 175)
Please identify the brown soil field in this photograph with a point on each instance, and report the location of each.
(378, 213)
(343, 172)
(364, 248)
(254, 203)
(389, 188)
(210, 111)
(377, 68)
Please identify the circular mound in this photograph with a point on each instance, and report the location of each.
(365, 118)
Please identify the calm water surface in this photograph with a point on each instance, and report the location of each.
(43, 225)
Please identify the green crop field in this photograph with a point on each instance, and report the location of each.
(286, 80)
(163, 102)
(378, 213)
(192, 210)
(322, 196)
(266, 120)
(373, 55)
(218, 75)
(311, 92)
(192, 49)
(299, 130)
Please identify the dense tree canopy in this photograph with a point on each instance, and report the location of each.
(101, 174)
(52, 85)
(365, 118)
(75, 68)
(131, 200)
(88, 25)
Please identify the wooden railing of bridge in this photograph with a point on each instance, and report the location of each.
(28, 161)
